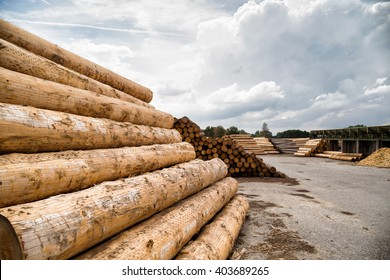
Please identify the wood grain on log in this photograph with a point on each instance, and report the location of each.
(216, 240)
(17, 59)
(30, 177)
(21, 89)
(163, 235)
(72, 61)
(62, 226)
(29, 130)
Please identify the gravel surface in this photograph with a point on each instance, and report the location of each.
(326, 209)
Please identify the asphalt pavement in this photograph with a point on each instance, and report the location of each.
(326, 209)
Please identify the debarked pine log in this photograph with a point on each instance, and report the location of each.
(17, 59)
(29, 130)
(216, 240)
(21, 89)
(62, 226)
(30, 177)
(163, 235)
(72, 61)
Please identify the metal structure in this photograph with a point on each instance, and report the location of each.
(362, 133)
(365, 140)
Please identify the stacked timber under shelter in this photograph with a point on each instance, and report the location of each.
(90, 170)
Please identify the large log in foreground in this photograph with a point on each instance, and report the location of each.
(30, 177)
(216, 240)
(21, 89)
(163, 235)
(28, 130)
(17, 59)
(72, 61)
(62, 226)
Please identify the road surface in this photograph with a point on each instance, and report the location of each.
(326, 209)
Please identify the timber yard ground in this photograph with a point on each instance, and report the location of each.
(326, 209)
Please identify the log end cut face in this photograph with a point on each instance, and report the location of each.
(9, 243)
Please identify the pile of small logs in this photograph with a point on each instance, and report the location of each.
(240, 163)
(85, 159)
(266, 145)
(311, 147)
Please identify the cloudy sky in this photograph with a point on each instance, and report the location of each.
(294, 64)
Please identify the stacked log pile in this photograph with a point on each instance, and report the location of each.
(340, 155)
(247, 142)
(288, 145)
(84, 157)
(266, 145)
(311, 147)
(240, 163)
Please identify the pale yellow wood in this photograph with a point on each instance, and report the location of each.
(21, 89)
(30, 177)
(28, 130)
(216, 240)
(72, 61)
(163, 235)
(20, 60)
(62, 226)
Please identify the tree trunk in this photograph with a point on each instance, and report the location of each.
(30, 177)
(29, 130)
(162, 236)
(72, 61)
(216, 240)
(20, 89)
(17, 59)
(62, 226)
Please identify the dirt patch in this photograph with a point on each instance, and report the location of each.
(380, 158)
(302, 195)
(347, 213)
(265, 235)
(278, 243)
(260, 205)
(288, 181)
(282, 245)
(302, 190)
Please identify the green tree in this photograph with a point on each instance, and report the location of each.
(232, 130)
(358, 125)
(219, 131)
(265, 131)
(293, 133)
(209, 131)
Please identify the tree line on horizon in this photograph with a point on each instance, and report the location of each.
(219, 131)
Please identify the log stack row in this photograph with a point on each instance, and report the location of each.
(84, 158)
(266, 145)
(247, 142)
(311, 147)
(340, 155)
(288, 145)
(240, 163)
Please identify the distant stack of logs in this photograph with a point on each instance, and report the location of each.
(247, 142)
(311, 147)
(288, 145)
(240, 163)
(266, 145)
(340, 155)
(84, 157)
